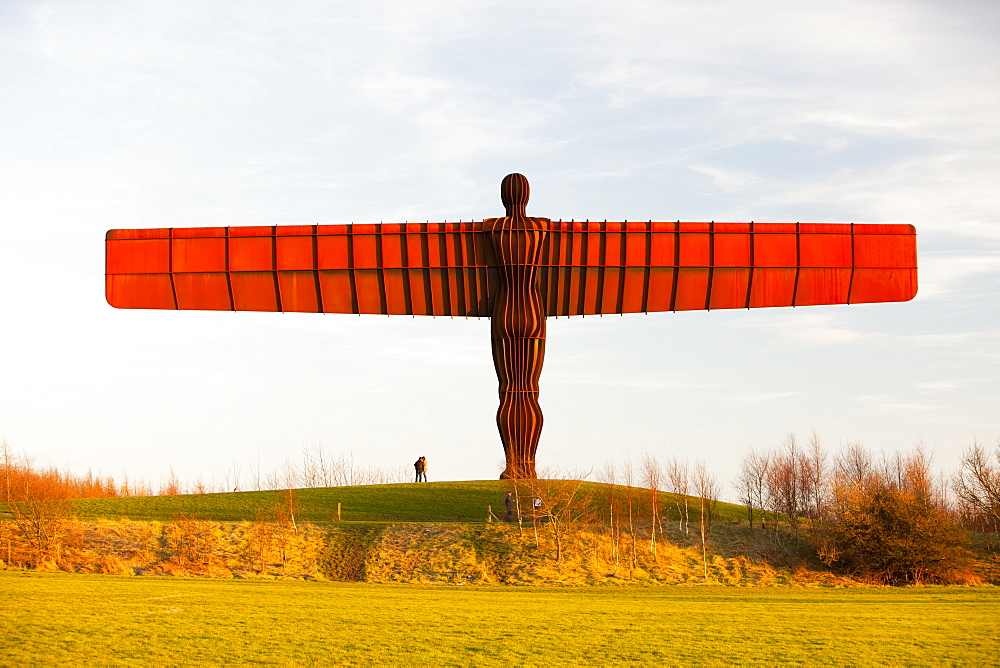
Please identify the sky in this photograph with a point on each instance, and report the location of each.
(191, 114)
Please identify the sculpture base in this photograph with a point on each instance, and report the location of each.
(525, 472)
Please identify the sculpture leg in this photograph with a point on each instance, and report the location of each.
(519, 365)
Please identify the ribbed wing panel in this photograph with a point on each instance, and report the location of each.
(590, 268)
(448, 268)
(411, 269)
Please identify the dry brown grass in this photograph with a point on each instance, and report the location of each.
(500, 555)
(432, 553)
(187, 546)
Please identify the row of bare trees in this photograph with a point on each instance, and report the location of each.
(785, 484)
(22, 480)
(794, 482)
(888, 519)
(315, 467)
(635, 508)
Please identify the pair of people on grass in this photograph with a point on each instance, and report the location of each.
(508, 502)
(420, 466)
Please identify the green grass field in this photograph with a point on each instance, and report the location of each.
(466, 501)
(53, 618)
(432, 502)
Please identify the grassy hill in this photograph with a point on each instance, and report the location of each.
(459, 502)
(421, 533)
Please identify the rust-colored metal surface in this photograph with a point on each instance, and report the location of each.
(518, 325)
(515, 270)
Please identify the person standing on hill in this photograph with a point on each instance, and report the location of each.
(421, 468)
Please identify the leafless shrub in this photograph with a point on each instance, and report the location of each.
(888, 523)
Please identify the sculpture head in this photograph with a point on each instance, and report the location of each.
(514, 194)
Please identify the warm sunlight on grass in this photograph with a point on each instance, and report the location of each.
(63, 618)
(460, 501)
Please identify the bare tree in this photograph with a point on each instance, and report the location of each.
(854, 462)
(563, 505)
(309, 472)
(784, 483)
(172, 485)
(679, 476)
(751, 483)
(8, 461)
(284, 477)
(610, 475)
(518, 488)
(255, 471)
(288, 507)
(814, 481)
(195, 542)
(261, 536)
(321, 469)
(652, 477)
(41, 514)
(628, 476)
(917, 477)
(977, 485)
(199, 486)
(707, 489)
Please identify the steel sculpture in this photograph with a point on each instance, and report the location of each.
(516, 270)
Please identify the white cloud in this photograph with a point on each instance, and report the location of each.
(885, 402)
(941, 385)
(811, 328)
(900, 94)
(767, 396)
(946, 275)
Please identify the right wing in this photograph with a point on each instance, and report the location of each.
(591, 268)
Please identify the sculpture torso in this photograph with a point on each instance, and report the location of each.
(518, 326)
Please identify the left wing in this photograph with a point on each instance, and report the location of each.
(409, 269)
